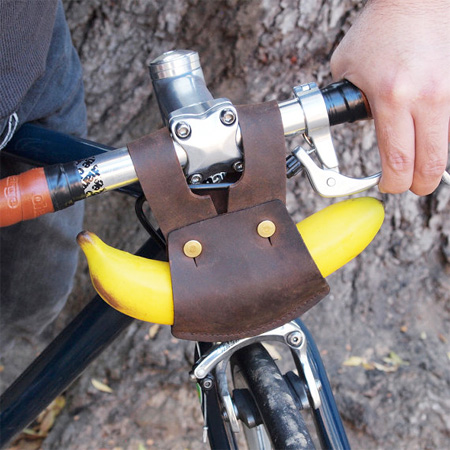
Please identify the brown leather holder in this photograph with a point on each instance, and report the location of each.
(241, 284)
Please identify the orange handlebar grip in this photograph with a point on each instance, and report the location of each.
(24, 197)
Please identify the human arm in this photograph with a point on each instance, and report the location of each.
(398, 54)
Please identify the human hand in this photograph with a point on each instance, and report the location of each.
(398, 54)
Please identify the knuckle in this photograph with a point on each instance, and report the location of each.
(433, 168)
(394, 92)
(434, 93)
(399, 161)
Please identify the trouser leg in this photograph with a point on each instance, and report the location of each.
(38, 258)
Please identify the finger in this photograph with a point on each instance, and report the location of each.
(431, 152)
(395, 135)
(338, 65)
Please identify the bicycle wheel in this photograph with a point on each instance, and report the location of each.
(278, 423)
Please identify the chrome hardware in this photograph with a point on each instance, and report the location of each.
(328, 182)
(230, 411)
(207, 383)
(174, 64)
(295, 339)
(227, 116)
(211, 148)
(106, 171)
(238, 166)
(446, 178)
(182, 130)
(10, 128)
(178, 81)
(217, 358)
(195, 179)
(324, 177)
(317, 123)
(195, 119)
(292, 117)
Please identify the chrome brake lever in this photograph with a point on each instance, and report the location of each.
(317, 124)
(325, 180)
(446, 178)
(329, 183)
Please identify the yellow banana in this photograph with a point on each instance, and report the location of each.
(136, 286)
(340, 232)
(142, 288)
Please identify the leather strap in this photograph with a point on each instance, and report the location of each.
(162, 179)
(264, 177)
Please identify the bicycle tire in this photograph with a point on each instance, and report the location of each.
(283, 426)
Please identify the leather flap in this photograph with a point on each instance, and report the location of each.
(241, 284)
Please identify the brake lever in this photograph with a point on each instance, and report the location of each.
(446, 178)
(325, 180)
(330, 183)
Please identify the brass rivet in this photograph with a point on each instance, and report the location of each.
(266, 229)
(192, 249)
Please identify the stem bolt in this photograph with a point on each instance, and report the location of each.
(196, 178)
(238, 166)
(182, 130)
(227, 116)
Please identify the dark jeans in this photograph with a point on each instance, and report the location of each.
(38, 258)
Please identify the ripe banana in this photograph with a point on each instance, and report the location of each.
(142, 288)
(136, 286)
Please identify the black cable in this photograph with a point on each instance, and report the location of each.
(155, 234)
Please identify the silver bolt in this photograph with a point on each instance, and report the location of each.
(227, 116)
(331, 182)
(207, 384)
(182, 130)
(238, 166)
(197, 178)
(294, 339)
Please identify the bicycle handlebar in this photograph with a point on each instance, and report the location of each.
(40, 191)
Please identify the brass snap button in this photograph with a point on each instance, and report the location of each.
(266, 229)
(192, 249)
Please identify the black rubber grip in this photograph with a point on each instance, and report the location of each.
(64, 184)
(345, 103)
